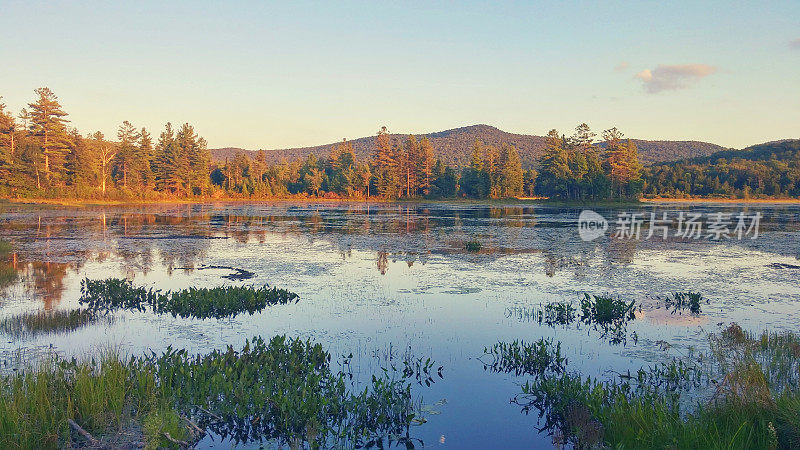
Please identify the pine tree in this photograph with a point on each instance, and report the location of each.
(164, 158)
(48, 124)
(8, 128)
(386, 177)
(145, 156)
(407, 165)
(425, 162)
(511, 180)
(126, 160)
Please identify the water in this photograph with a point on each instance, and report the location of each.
(385, 280)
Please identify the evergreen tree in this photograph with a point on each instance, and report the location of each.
(425, 163)
(510, 179)
(127, 154)
(48, 124)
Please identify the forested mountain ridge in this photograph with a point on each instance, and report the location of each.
(771, 169)
(454, 146)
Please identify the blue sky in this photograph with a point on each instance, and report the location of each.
(276, 75)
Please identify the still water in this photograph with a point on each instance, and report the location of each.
(385, 281)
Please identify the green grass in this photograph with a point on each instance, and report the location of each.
(473, 246)
(680, 301)
(755, 402)
(202, 303)
(281, 390)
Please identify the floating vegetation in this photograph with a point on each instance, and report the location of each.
(606, 310)
(608, 315)
(681, 301)
(558, 313)
(525, 358)
(202, 303)
(754, 402)
(473, 246)
(280, 391)
(36, 323)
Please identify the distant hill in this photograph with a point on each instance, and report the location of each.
(454, 147)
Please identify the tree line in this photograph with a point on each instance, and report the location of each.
(766, 170)
(41, 156)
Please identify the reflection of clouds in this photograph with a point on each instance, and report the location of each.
(666, 317)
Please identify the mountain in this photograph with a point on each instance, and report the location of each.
(454, 147)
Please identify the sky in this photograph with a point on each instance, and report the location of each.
(292, 74)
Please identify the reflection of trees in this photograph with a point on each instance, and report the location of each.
(178, 235)
(383, 262)
(45, 280)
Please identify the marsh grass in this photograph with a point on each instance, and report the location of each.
(281, 391)
(201, 303)
(35, 323)
(680, 301)
(473, 246)
(755, 401)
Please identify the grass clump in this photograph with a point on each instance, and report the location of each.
(202, 303)
(680, 301)
(281, 391)
(755, 401)
(473, 246)
(31, 324)
(604, 310)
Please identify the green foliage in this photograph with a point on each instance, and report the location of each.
(282, 390)
(680, 301)
(200, 303)
(766, 170)
(755, 403)
(473, 246)
(606, 310)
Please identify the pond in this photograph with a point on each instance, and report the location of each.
(389, 283)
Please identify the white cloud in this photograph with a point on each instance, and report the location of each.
(795, 44)
(621, 66)
(670, 77)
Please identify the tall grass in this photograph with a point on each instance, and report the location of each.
(755, 401)
(282, 390)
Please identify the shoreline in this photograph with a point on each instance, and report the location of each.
(374, 200)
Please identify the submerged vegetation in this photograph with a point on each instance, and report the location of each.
(281, 391)
(35, 323)
(201, 303)
(753, 399)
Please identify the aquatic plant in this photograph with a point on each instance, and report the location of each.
(605, 310)
(755, 401)
(34, 323)
(557, 313)
(202, 303)
(281, 391)
(525, 358)
(679, 301)
(473, 246)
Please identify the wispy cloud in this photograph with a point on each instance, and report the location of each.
(795, 44)
(621, 66)
(671, 77)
